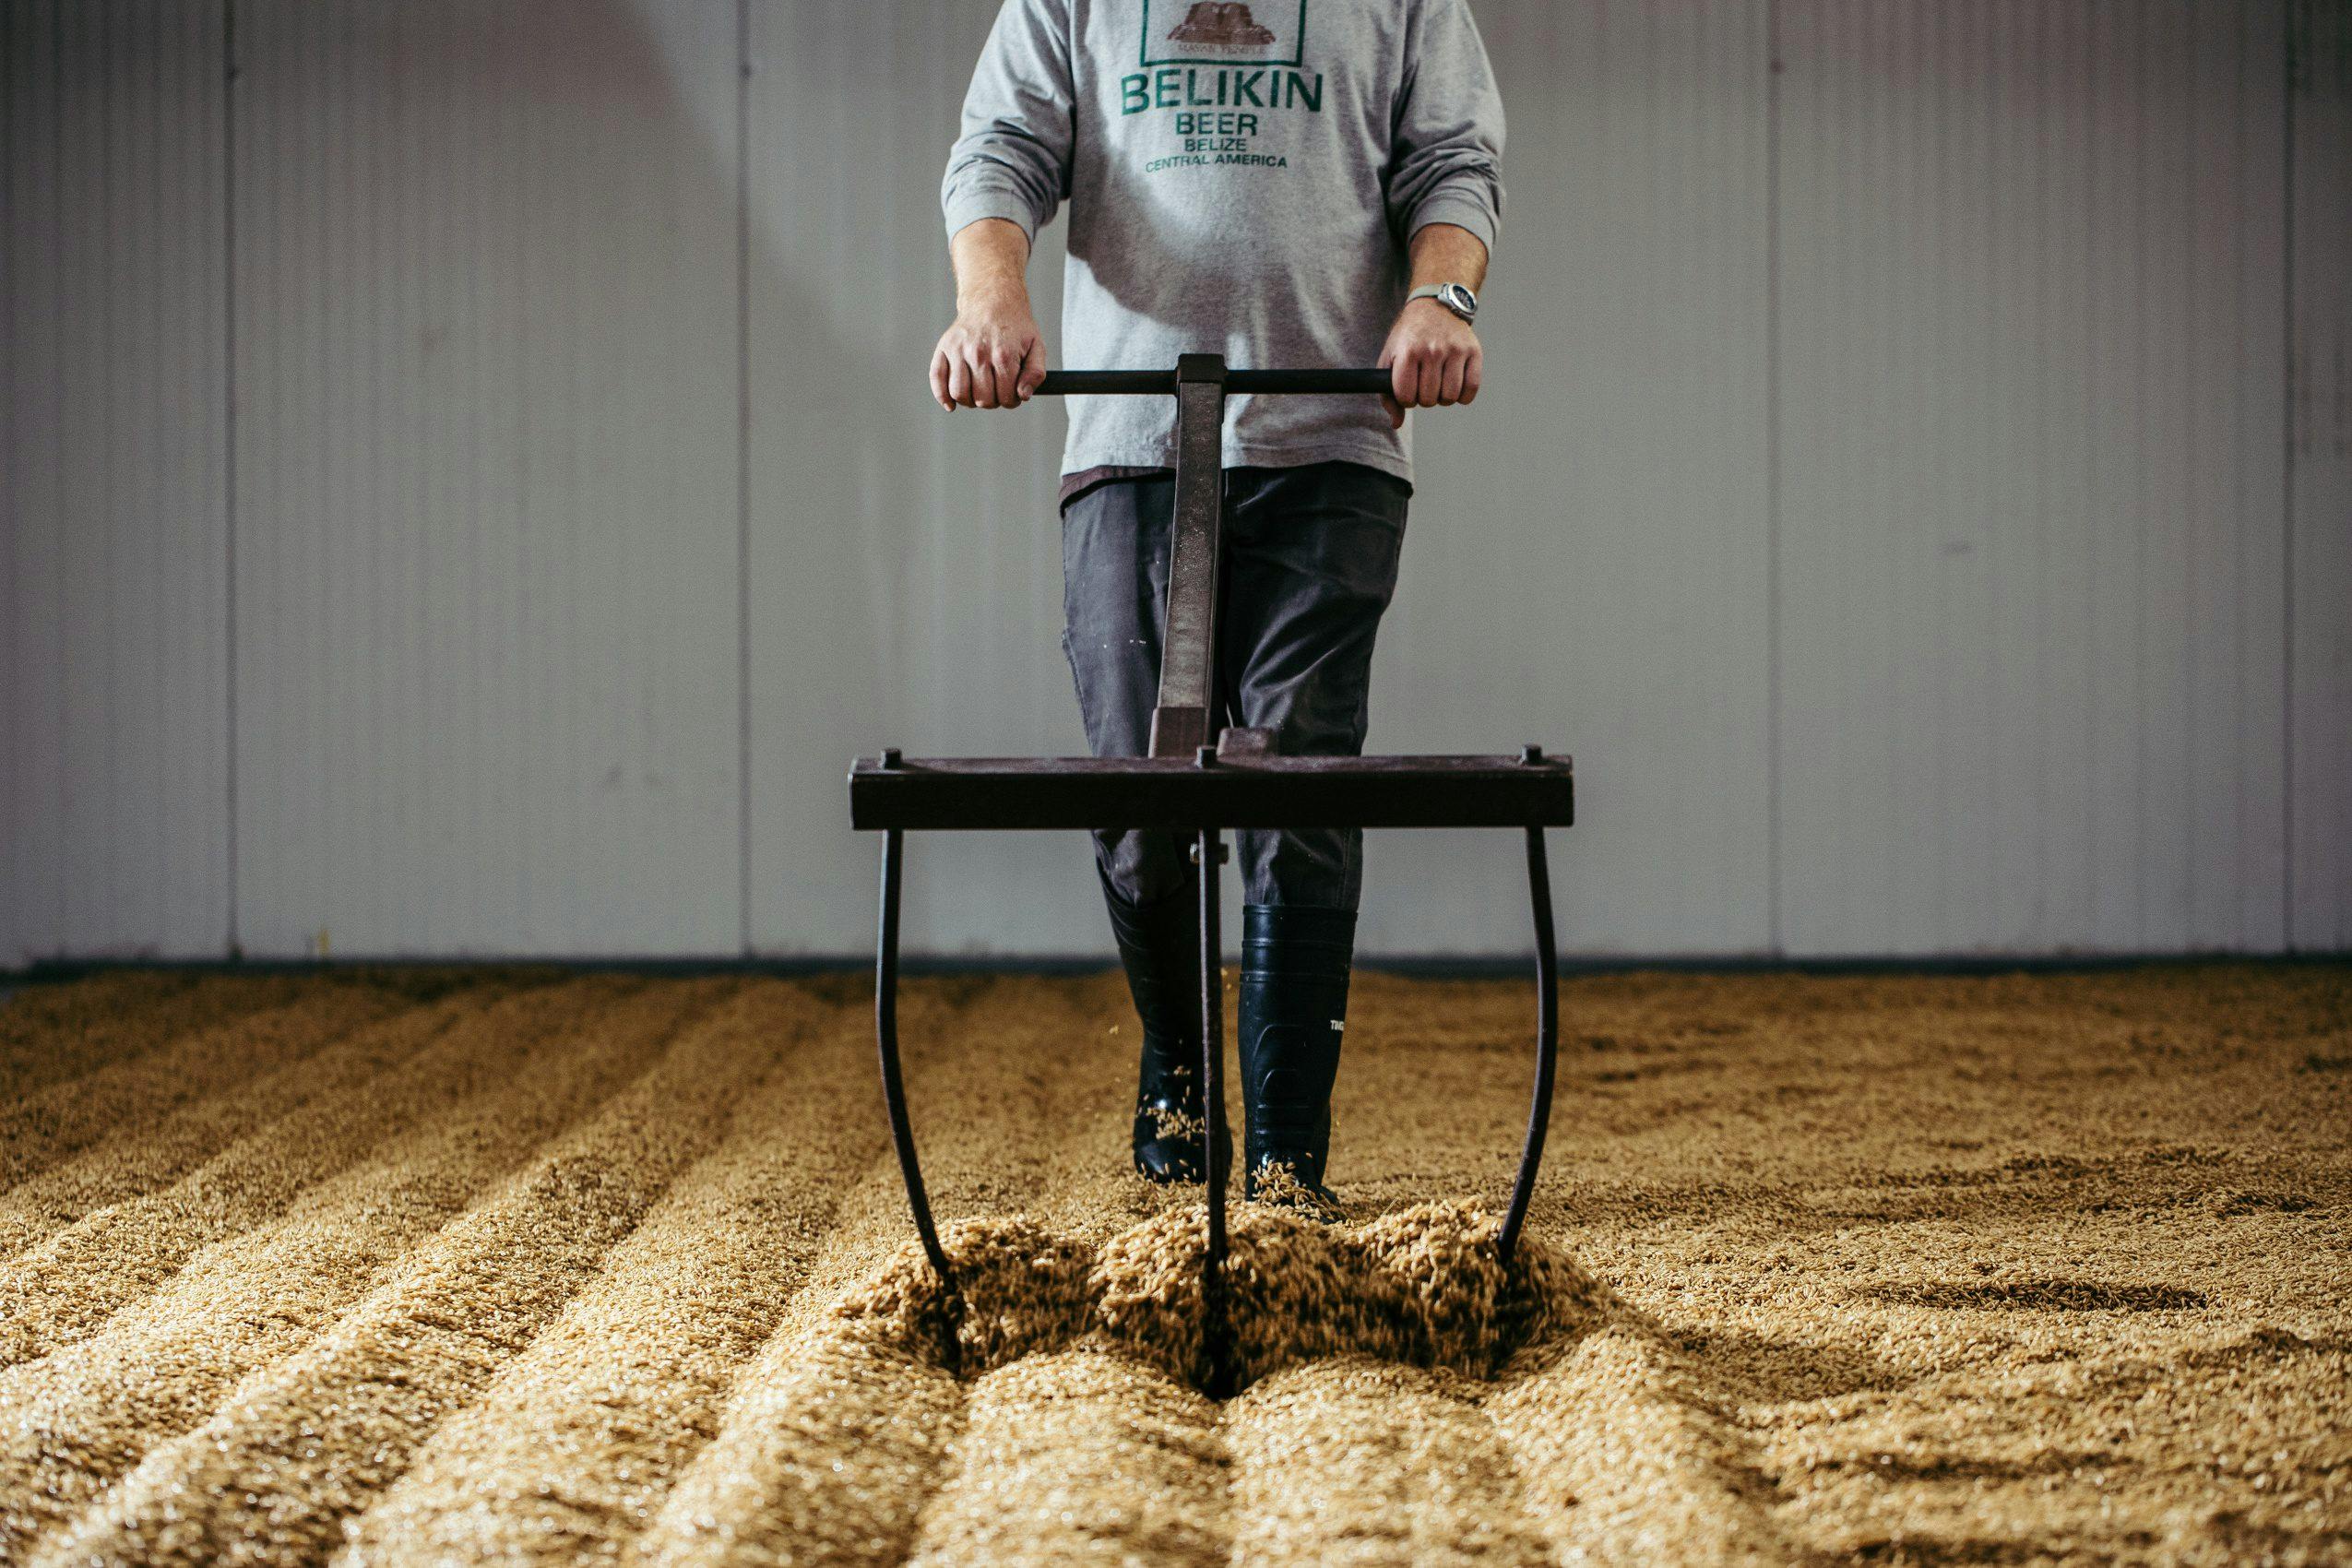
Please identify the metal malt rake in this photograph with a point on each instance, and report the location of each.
(1202, 779)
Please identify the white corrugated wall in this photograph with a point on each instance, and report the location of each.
(469, 486)
(487, 505)
(2031, 381)
(113, 511)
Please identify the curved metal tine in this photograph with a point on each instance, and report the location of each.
(1213, 1108)
(893, 1086)
(1523, 1191)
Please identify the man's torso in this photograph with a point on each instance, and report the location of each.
(1228, 196)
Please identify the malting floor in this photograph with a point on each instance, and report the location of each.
(504, 1266)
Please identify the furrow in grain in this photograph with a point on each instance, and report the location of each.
(126, 1098)
(579, 1438)
(827, 1457)
(1079, 1453)
(116, 1170)
(71, 1423)
(992, 1127)
(988, 1105)
(1431, 1097)
(294, 1452)
(372, 1085)
(51, 1034)
(1089, 1188)
(1353, 1461)
(1625, 1463)
(832, 1440)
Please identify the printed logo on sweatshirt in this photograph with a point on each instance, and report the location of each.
(1223, 72)
(1223, 32)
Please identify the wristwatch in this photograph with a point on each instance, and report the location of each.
(1455, 297)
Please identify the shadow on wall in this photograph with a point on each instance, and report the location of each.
(905, 562)
(501, 272)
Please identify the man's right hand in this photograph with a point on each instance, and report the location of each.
(993, 357)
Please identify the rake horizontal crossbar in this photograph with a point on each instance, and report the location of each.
(1174, 794)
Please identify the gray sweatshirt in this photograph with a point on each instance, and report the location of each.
(1242, 179)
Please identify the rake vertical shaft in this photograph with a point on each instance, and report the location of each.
(1523, 1191)
(1213, 1327)
(894, 1083)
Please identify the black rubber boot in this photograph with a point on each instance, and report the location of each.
(1159, 944)
(1295, 961)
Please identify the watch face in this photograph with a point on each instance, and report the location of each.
(1460, 299)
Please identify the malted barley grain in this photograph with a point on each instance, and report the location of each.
(2032, 1268)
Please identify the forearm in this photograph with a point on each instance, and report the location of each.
(1445, 253)
(992, 261)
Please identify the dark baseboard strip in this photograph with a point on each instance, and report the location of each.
(1497, 966)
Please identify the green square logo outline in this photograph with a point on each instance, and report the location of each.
(1145, 58)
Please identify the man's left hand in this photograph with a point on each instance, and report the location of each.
(1433, 360)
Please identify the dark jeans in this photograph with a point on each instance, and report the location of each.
(1310, 563)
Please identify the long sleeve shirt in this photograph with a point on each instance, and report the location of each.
(1244, 179)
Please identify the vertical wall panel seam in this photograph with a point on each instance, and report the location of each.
(743, 473)
(61, 420)
(1773, 67)
(15, 931)
(2292, 16)
(105, 280)
(229, 422)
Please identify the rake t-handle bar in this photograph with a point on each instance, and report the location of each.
(1095, 383)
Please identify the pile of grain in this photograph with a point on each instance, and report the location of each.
(1423, 1286)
